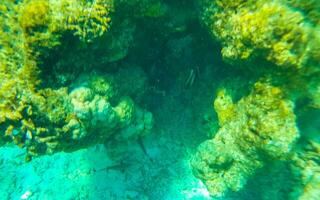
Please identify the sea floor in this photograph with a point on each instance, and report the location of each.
(157, 168)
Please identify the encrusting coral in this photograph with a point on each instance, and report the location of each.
(41, 19)
(280, 36)
(306, 167)
(275, 40)
(258, 128)
(47, 120)
(85, 117)
(263, 29)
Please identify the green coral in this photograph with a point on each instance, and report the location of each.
(306, 168)
(259, 127)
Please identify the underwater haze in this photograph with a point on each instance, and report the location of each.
(160, 99)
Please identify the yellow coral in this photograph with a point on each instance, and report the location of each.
(306, 167)
(46, 120)
(91, 21)
(35, 14)
(224, 107)
(262, 125)
(279, 35)
(44, 20)
(265, 29)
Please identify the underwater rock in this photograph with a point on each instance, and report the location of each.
(280, 37)
(49, 120)
(263, 29)
(41, 19)
(82, 118)
(258, 128)
(305, 166)
(77, 73)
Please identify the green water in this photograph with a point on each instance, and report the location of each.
(159, 99)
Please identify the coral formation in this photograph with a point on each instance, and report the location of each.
(47, 120)
(271, 30)
(277, 41)
(76, 73)
(306, 168)
(43, 19)
(284, 34)
(258, 128)
(85, 117)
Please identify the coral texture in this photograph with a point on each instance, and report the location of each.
(284, 34)
(258, 128)
(47, 120)
(264, 29)
(41, 19)
(89, 118)
(306, 167)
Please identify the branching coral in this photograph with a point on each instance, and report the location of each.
(281, 37)
(18, 73)
(43, 20)
(258, 128)
(62, 121)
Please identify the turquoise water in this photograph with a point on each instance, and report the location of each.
(159, 100)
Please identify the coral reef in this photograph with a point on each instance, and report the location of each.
(41, 20)
(77, 73)
(258, 128)
(276, 40)
(306, 168)
(18, 73)
(47, 120)
(271, 30)
(284, 34)
(309, 8)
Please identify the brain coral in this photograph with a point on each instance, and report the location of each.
(82, 118)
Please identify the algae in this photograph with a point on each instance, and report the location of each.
(106, 99)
